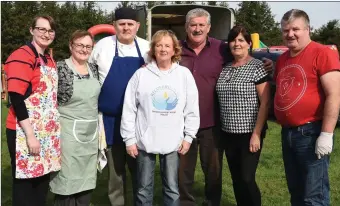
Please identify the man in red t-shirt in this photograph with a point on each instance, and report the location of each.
(307, 106)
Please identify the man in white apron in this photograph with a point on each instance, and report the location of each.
(118, 57)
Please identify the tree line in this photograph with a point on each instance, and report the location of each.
(16, 19)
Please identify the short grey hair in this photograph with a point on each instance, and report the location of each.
(293, 14)
(198, 12)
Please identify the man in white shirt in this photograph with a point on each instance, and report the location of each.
(118, 57)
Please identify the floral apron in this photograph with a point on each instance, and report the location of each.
(44, 118)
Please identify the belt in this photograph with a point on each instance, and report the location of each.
(305, 126)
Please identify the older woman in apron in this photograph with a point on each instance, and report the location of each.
(32, 126)
(78, 92)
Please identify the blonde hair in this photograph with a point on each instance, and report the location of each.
(157, 37)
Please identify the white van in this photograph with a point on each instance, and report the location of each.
(173, 17)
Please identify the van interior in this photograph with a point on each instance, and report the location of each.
(173, 17)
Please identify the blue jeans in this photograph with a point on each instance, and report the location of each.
(307, 176)
(169, 164)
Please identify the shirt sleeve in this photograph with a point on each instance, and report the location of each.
(260, 74)
(19, 106)
(128, 121)
(19, 71)
(191, 109)
(327, 60)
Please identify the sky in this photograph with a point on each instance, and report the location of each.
(319, 12)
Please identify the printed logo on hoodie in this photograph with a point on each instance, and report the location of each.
(164, 98)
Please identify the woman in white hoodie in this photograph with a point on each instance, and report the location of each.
(160, 116)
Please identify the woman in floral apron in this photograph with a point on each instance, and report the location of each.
(32, 124)
(78, 92)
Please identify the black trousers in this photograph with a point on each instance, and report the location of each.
(26, 192)
(210, 158)
(78, 199)
(242, 165)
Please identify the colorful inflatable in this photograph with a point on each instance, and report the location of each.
(102, 29)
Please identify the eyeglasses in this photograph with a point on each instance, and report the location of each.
(82, 46)
(44, 30)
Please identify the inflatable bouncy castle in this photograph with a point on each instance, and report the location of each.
(101, 30)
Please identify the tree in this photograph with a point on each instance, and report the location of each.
(328, 33)
(16, 18)
(216, 3)
(126, 4)
(258, 18)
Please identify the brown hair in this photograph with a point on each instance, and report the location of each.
(157, 37)
(80, 34)
(238, 29)
(46, 17)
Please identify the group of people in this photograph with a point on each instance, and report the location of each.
(172, 98)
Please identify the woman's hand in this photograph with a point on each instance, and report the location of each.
(255, 143)
(33, 145)
(184, 148)
(132, 150)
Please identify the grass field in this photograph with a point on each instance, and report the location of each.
(270, 175)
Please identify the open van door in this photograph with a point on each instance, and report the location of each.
(142, 17)
(173, 17)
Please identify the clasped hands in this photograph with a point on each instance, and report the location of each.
(133, 151)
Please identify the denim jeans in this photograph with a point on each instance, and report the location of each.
(307, 176)
(169, 164)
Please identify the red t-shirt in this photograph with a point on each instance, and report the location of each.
(22, 68)
(299, 96)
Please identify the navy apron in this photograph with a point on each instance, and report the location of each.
(111, 97)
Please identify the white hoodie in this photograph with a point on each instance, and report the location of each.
(160, 109)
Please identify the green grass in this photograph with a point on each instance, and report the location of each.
(270, 175)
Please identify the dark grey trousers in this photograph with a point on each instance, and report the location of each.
(78, 199)
(117, 159)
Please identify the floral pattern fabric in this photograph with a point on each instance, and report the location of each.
(44, 118)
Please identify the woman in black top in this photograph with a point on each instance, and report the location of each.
(243, 94)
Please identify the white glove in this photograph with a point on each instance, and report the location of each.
(324, 144)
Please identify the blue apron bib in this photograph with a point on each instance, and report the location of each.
(111, 97)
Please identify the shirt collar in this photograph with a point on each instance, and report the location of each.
(207, 43)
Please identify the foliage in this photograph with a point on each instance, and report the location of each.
(16, 19)
(216, 3)
(257, 17)
(328, 33)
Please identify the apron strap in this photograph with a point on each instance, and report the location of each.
(138, 50)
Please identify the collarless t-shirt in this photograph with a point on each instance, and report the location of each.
(299, 97)
(22, 69)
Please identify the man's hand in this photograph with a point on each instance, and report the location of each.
(255, 143)
(324, 144)
(268, 64)
(184, 148)
(132, 150)
(33, 145)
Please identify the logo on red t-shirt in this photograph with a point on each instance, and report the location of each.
(292, 84)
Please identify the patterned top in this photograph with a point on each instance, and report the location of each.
(237, 95)
(65, 82)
